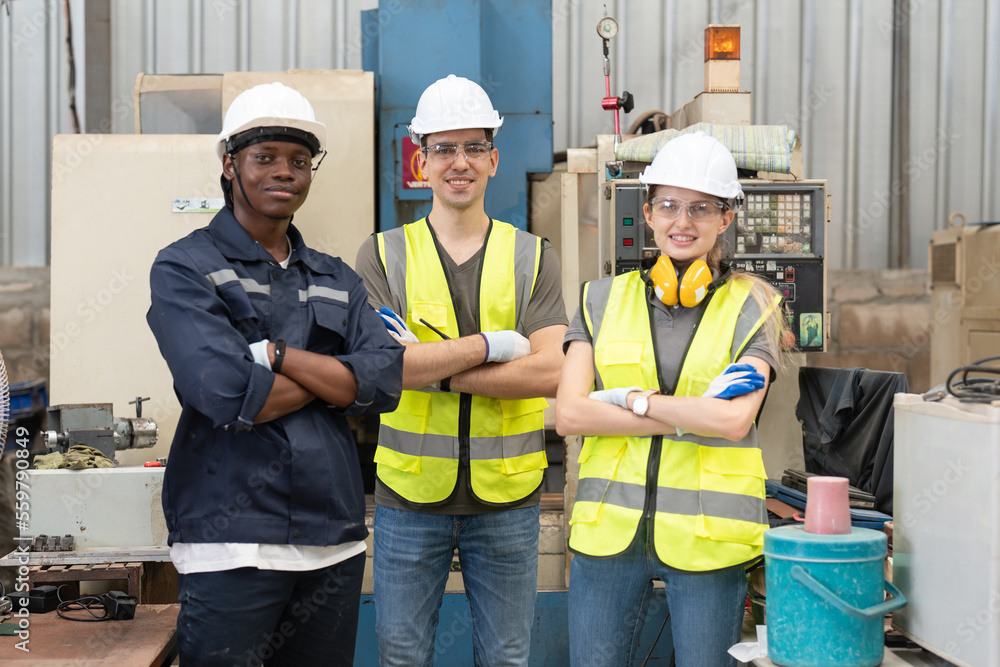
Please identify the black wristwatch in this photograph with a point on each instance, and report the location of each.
(279, 355)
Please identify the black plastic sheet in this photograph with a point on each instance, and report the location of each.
(847, 426)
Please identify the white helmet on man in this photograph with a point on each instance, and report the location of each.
(453, 103)
(696, 162)
(276, 109)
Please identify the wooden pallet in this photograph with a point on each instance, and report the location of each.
(132, 573)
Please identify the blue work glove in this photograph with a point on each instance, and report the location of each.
(735, 380)
(614, 396)
(259, 352)
(503, 346)
(396, 326)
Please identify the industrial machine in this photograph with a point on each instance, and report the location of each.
(94, 425)
(965, 293)
(505, 47)
(779, 234)
(946, 508)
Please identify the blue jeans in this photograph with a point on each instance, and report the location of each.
(609, 597)
(249, 617)
(498, 552)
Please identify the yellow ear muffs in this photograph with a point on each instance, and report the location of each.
(694, 284)
(664, 280)
(692, 287)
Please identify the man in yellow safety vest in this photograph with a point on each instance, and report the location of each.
(478, 304)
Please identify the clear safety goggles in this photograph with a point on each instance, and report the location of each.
(669, 208)
(474, 151)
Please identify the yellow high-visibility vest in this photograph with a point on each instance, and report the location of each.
(423, 441)
(707, 498)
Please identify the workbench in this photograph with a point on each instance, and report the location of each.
(148, 572)
(147, 639)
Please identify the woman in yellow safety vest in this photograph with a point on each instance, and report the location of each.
(665, 373)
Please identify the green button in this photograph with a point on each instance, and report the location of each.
(627, 222)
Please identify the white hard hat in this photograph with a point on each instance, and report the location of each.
(272, 105)
(453, 103)
(695, 162)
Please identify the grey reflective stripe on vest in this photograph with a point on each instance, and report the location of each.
(220, 278)
(749, 440)
(598, 294)
(524, 273)
(446, 446)
(687, 502)
(322, 292)
(710, 503)
(622, 494)
(395, 267)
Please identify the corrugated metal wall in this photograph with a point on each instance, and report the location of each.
(824, 68)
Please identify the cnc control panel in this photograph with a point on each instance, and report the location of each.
(779, 234)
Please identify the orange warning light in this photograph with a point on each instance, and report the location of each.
(722, 42)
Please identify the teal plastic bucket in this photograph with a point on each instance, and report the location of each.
(825, 600)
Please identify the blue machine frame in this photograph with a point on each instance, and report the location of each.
(549, 633)
(505, 46)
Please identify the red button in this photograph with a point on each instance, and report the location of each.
(626, 241)
(152, 464)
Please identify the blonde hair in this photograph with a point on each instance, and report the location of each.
(773, 308)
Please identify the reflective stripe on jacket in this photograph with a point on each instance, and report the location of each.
(707, 496)
(423, 442)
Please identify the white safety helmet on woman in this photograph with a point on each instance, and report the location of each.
(696, 162)
(453, 103)
(270, 112)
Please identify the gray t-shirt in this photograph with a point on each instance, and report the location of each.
(674, 327)
(545, 308)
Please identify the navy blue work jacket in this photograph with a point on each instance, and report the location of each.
(294, 480)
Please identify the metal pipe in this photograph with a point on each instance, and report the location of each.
(243, 61)
(150, 65)
(292, 35)
(807, 56)
(575, 75)
(58, 99)
(850, 260)
(899, 151)
(991, 102)
(341, 46)
(197, 36)
(6, 103)
(666, 51)
(621, 52)
(760, 92)
(942, 178)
